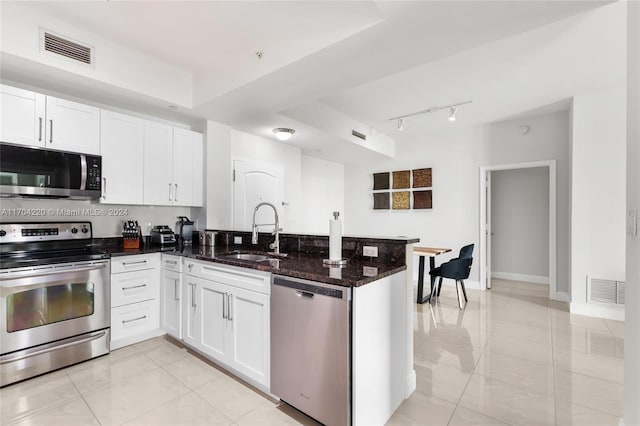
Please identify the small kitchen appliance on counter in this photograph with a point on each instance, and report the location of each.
(207, 238)
(185, 230)
(163, 235)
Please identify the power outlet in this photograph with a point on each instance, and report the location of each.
(371, 251)
(237, 239)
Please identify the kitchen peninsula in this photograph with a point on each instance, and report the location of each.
(217, 281)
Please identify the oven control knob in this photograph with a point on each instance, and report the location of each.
(85, 230)
(3, 232)
(74, 230)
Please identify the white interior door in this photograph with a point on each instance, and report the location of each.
(256, 182)
(488, 230)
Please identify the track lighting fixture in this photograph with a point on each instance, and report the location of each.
(453, 111)
(283, 133)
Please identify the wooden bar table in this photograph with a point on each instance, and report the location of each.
(431, 252)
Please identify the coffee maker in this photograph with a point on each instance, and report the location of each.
(185, 229)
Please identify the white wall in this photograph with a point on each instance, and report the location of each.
(632, 310)
(115, 65)
(107, 220)
(313, 188)
(520, 222)
(323, 193)
(598, 191)
(456, 154)
(547, 139)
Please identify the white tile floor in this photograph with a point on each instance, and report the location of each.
(510, 357)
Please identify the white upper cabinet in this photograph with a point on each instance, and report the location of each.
(172, 166)
(72, 126)
(187, 167)
(158, 150)
(121, 147)
(30, 118)
(22, 116)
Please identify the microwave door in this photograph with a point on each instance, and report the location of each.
(41, 173)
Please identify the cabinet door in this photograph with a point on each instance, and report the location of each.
(158, 149)
(187, 167)
(249, 319)
(21, 116)
(191, 311)
(121, 147)
(213, 339)
(171, 303)
(72, 126)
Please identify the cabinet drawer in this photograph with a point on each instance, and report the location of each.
(246, 278)
(134, 263)
(132, 287)
(171, 263)
(130, 320)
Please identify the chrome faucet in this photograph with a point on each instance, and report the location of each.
(254, 236)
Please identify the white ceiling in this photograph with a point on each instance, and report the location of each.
(369, 60)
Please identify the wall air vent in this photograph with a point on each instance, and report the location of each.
(55, 44)
(605, 291)
(359, 135)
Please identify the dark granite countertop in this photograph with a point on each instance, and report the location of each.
(358, 271)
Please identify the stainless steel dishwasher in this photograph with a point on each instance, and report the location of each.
(310, 348)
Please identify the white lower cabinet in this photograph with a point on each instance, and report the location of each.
(226, 322)
(171, 300)
(135, 299)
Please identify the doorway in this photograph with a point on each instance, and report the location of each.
(486, 216)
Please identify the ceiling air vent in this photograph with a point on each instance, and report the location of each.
(57, 45)
(359, 135)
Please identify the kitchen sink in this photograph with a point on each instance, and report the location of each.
(251, 257)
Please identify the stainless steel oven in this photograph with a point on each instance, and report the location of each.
(53, 313)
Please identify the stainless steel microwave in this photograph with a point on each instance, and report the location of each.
(45, 173)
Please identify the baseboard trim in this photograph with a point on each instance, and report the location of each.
(560, 296)
(410, 384)
(599, 310)
(535, 279)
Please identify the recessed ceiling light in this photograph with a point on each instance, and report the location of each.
(283, 133)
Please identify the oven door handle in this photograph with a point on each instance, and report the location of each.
(18, 357)
(52, 271)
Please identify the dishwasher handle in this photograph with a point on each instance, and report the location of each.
(301, 293)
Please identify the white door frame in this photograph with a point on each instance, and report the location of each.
(551, 164)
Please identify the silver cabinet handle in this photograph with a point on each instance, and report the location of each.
(134, 319)
(171, 262)
(176, 294)
(39, 129)
(175, 195)
(193, 295)
(224, 306)
(229, 301)
(51, 131)
(134, 286)
(141, 262)
(169, 191)
(104, 187)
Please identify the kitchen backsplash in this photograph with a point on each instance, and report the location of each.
(107, 220)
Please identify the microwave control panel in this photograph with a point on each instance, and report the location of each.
(94, 173)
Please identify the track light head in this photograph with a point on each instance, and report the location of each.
(452, 113)
(400, 124)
